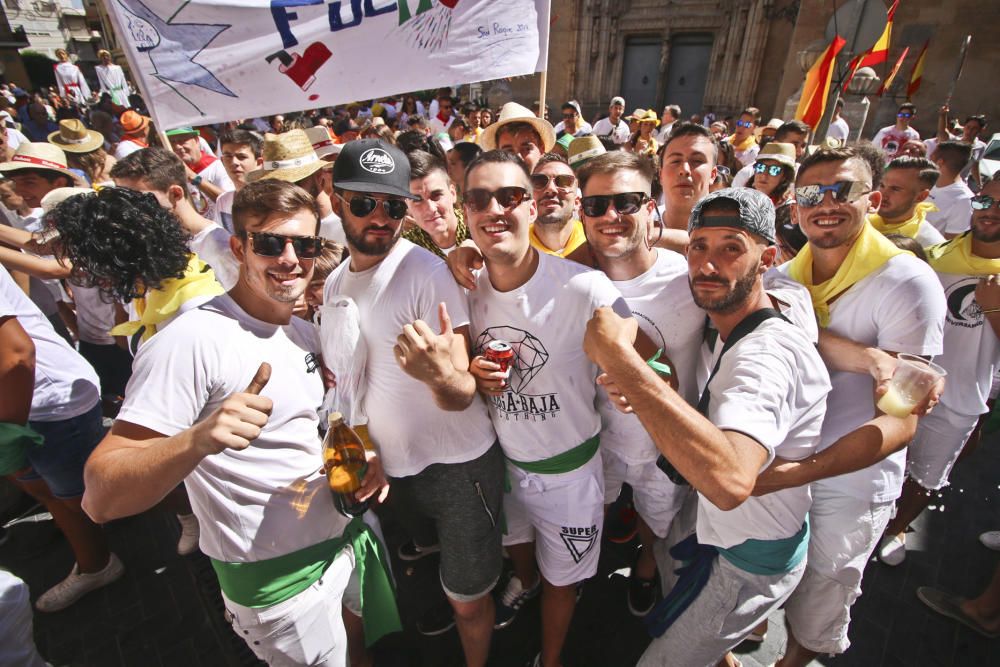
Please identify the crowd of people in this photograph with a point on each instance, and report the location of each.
(523, 321)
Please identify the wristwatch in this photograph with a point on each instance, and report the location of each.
(196, 181)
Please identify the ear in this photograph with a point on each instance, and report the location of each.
(236, 246)
(767, 258)
(337, 204)
(924, 194)
(874, 201)
(175, 195)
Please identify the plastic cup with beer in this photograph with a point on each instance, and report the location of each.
(911, 383)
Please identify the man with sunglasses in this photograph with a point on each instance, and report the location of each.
(556, 231)
(544, 408)
(743, 139)
(439, 450)
(571, 122)
(869, 296)
(891, 139)
(226, 399)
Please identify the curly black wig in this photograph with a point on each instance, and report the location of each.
(120, 241)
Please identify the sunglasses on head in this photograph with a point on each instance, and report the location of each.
(362, 206)
(563, 181)
(266, 244)
(904, 114)
(625, 203)
(770, 169)
(844, 192)
(512, 196)
(984, 202)
(744, 123)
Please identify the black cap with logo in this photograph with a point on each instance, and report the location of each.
(371, 165)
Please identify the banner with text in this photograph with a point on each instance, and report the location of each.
(207, 61)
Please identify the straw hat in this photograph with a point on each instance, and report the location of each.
(582, 149)
(133, 122)
(55, 197)
(781, 153)
(771, 127)
(322, 142)
(288, 156)
(635, 115)
(38, 155)
(649, 116)
(512, 112)
(74, 137)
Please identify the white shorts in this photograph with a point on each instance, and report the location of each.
(657, 499)
(939, 440)
(562, 514)
(843, 534)
(306, 629)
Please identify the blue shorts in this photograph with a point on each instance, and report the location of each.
(60, 460)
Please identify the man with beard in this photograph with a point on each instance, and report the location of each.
(553, 187)
(905, 186)
(440, 451)
(721, 447)
(967, 267)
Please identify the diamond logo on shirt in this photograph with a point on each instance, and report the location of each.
(530, 355)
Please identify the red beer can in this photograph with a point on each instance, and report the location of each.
(502, 354)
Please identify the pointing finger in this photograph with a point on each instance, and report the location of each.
(260, 379)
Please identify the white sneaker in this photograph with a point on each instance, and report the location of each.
(892, 550)
(76, 585)
(190, 532)
(991, 539)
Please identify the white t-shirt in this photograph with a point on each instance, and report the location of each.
(66, 386)
(890, 140)
(899, 308)
(125, 148)
(954, 204)
(660, 300)
(619, 134)
(927, 235)
(839, 130)
(408, 427)
(550, 405)
(95, 316)
(664, 132)
(15, 138)
(268, 499)
(971, 349)
(214, 173)
(212, 245)
(222, 212)
(332, 227)
(772, 386)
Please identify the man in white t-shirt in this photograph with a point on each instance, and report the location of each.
(887, 299)
(743, 139)
(439, 227)
(891, 139)
(671, 114)
(614, 127)
(572, 122)
(967, 268)
(688, 169)
(905, 186)
(950, 194)
(240, 154)
(545, 408)
(838, 129)
(750, 550)
(440, 452)
(225, 399)
(207, 178)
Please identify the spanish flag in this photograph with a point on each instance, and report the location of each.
(817, 85)
(917, 73)
(879, 53)
(893, 72)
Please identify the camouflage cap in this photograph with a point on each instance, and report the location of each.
(756, 212)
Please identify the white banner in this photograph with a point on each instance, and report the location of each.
(207, 61)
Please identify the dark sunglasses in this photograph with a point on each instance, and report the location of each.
(844, 192)
(563, 181)
(362, 206)
(744, 123)
(984, 202)
(904, 114)
(770, 169)
(272, 245)
(625, 203)
(512, 196)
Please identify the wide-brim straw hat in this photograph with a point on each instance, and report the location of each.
(512, 112)
(74, 137)
(649, 116)
(38, 155)
(322, 142)
(288, 156)
(635, 115)
(779, 152)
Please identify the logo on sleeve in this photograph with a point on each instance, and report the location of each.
(579, 541)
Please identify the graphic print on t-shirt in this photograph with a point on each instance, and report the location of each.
(579, 540)
(963, 309)
(530, 356)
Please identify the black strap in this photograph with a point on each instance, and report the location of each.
(745, 327)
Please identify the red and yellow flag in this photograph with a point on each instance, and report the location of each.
(879, 53)
(893, 72)
(917, 73)
(817, 85)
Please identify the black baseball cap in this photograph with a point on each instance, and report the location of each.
(371, 165)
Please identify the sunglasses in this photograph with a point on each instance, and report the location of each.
(904, 114)
(625, 203)
(563, 181)
(512, 196)
(844, 192)
(744, 123)
(769, 169)
(984, 202)
(362, 206)
(272, 245)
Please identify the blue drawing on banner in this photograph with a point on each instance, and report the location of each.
(172, 47)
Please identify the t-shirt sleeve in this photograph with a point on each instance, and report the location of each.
(212, 245)
(910, 317)
(603, 293)
(442, 287)
(959, 217)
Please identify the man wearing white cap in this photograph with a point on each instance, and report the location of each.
(614, 126)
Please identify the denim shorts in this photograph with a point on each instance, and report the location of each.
(60, 460)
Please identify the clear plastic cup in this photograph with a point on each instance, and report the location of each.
(911, 383)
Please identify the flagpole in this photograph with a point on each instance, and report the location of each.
(544, 79)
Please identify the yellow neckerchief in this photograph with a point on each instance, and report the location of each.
(907, 227)
(747, 143)
(160, 304)
(576, 239)
(870, 251)
(955, 256)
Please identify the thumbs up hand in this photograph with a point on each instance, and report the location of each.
(239, 420)
(423, 354)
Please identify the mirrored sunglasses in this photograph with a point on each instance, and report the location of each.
(512, 196)
(770, 169)
(626, 203)
(744, 123)
(266, 244)
(984, 202)
(844, 192)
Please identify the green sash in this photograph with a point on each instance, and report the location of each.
(569, 460)
(267, 582)
(770, 557)
(15, 441)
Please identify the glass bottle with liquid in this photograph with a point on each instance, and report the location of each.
(346, 466)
